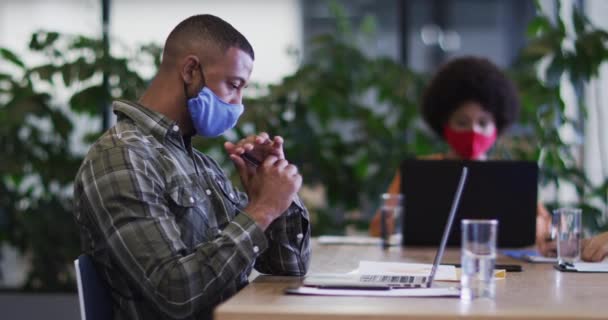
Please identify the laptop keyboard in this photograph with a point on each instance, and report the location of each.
(399, 280)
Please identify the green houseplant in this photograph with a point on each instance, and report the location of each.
(39, 143)
(349, 120)
(555, 53)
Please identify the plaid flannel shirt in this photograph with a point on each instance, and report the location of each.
(165, 226)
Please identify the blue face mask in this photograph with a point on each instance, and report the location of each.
(210, 115)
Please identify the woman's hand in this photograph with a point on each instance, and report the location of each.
(595, 249)
(544, 240)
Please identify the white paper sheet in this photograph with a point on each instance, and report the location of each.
(395, 240)
(421, 292)
(591, 266)
(540, 259)
(444, 272)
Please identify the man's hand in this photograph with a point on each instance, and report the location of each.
(258, 146)
(270, 187)
(596, 248)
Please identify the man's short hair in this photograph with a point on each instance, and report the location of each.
(205, 30)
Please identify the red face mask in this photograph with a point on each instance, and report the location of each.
(468, 144)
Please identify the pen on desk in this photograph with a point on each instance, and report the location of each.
(506, 267)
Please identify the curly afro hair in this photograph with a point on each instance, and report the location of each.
(470, 79)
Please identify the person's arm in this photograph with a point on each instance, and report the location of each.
(124, 195)
(374, 226)
(596, 248)
(544, 243)
(289, 233)
(288, 237)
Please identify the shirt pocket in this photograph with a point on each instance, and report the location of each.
(188, 207)
(182, 199)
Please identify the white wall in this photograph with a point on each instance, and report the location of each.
(20, 18)
(270, 25)
(596, 138)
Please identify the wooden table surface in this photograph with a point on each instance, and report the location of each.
(539, 292)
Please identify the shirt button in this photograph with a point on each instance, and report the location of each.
(208, 192)
(231, 195)
(256, 249)
(300, 236)
(191, 200)
(175, 128)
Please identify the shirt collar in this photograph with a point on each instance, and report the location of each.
(150, 121)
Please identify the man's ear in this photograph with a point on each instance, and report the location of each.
(189, 68)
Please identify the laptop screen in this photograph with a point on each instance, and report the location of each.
(502, 190)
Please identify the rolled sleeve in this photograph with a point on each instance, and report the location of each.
(250, 237)
(288, 243)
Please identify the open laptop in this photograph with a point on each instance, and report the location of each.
(391, 281)
(502, 190)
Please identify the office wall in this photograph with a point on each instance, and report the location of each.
(596, 95)
(270, 25)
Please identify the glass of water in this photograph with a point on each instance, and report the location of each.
(568, 222)
(390, 216)
(477, 259)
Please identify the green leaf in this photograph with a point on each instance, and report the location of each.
(11, 57)
(42, 40)
(92, 137)
(89, 100)
(61, 124)
(538, 26)
(539, 48)
(578, 20)
(343, 25)
(45, 72)
(368, 26)
(84, 70)
(555, 71)
(66, 74)
(51, 37)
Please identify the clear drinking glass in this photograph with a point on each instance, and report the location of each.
(568, 234)
(478, 256)
(390, 211)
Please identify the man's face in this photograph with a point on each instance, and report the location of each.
(229, 74)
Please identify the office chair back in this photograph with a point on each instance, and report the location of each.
(93, 294)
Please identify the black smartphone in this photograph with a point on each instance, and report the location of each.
(250, 159)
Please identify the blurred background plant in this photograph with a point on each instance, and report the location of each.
(349, 119)
(42, 148)
(563, 53)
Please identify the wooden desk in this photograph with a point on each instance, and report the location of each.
(539, 292)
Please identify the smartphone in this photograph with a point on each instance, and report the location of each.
(250, 159)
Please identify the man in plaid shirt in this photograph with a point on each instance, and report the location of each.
(166, 229)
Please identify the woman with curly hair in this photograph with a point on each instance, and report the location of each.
(469, 103)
